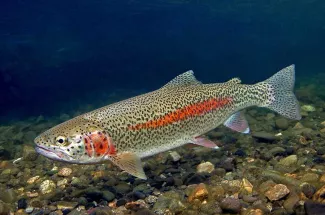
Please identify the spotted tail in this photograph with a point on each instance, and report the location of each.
(280, 93)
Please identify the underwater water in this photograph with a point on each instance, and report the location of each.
(60, 59)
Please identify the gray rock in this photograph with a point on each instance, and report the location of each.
(231, 205)
(282, 123)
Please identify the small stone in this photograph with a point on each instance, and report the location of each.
(122, 188)
(63, 205)
(206, 167)
(314, 208)
(32, 180)
(277, 192)
(62, 183)
(31, 194)
(29, 153)
(108, 196)
(175, 156)
(4, 208)
(282, 123)
(262, 135)
(322, 130)
(289, 161)
(8, 195)
(308, 189)
(47, 186)
(310, 177)
(29, 210)
(247, 185)
(22, 203)
(231, 205)
(200, 192)
(298, 126)
(308, 108)
(276, 151)
(65, 172)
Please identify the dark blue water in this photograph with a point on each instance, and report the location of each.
(58, 56)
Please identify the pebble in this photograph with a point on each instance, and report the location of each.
(262, 135)
(29, 153)
(32, 180)
(310, 177)
(308, 189)
(108, 196)
(47, 186)
(65, 172)
(231, 205)
(200, 192)
(175, 156)
(289, 161)
(206, 167)
(277, 192)
(62, 205)
(282, 123)
(314, 208)
(29, 210)
(22, 203)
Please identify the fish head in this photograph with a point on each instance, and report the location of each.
(67, 141)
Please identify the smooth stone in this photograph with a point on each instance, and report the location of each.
(108, 196)
(282, 123)
(289, 161)
(291, 202)
(29, 153)
(262, 135)
(206, 167)
(276, 151)
(231, 205)
(170, 200)
(8, 195)
(314, 208)
(174, 156)
(4, 208)
(62, 205)
(310, 177)
(122, 188)
(29, 210)
(22, 203)
(308, 189)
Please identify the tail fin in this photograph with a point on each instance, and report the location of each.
(282, 100)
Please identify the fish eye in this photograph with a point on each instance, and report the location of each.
(60, 140)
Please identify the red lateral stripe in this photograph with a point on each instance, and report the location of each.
(192, 110)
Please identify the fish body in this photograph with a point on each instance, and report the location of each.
(174, 115)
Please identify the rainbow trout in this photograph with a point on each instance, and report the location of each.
(174, 115)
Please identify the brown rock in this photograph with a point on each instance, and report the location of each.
(277, 192)
(200, 192)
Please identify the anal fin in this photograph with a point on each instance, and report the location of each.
(131, 163)
(237, 122)
(201, 141)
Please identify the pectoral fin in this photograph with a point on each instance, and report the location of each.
(237, 122)
(129, 162)
(201, 141)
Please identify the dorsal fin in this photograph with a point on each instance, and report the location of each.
(234, 81)
(183, 80)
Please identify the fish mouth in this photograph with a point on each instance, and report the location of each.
(57, 155)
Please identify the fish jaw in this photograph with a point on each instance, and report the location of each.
(58, 155)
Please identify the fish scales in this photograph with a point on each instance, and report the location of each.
(176, 114)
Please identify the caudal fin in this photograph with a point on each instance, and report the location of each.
(281, 97)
